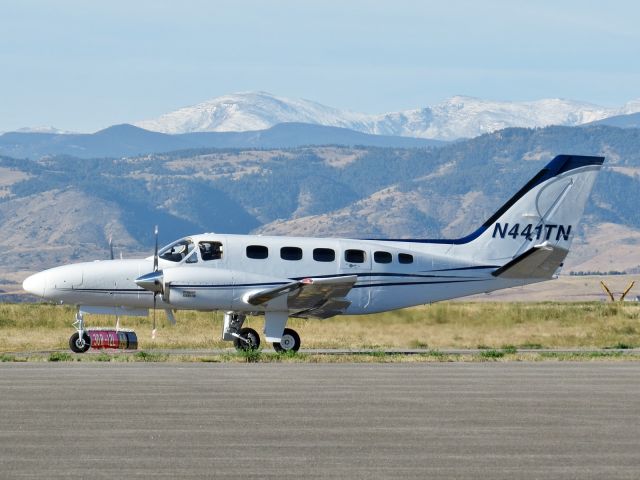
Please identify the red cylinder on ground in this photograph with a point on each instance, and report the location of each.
(112, 338)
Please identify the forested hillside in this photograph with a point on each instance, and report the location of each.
(58, 208)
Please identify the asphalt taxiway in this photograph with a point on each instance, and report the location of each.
(204, 353)
(460, 420)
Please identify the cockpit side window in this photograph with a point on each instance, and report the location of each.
(210, 250)
(177, 251)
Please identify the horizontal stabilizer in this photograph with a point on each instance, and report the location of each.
(540, 261)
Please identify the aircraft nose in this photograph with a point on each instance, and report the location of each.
(35, 284)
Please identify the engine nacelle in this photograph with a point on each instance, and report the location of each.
(198, 288)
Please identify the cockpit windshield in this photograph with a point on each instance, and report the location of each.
(177, 251)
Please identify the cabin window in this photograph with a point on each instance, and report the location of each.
(291, 253)
(259, 252)
(405, 258)
(382, 257)
(210, 251)
(177, 251)
(354, 256)
(193, 258)
(324, 254)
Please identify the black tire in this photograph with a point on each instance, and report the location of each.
(248, 334)
(76, 345)
(290, 342)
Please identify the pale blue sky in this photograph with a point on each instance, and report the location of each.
(83, 65)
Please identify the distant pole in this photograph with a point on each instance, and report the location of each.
(627, 291)
(610, 294)
(607, 291)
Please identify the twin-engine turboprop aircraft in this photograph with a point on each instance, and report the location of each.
(525, 241)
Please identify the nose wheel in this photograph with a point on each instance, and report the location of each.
(290, 342)
(79, 344)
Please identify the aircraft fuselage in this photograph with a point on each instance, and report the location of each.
(390, 275)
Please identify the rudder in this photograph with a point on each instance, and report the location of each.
(544, 213)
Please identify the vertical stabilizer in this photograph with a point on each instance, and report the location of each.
(543, 214)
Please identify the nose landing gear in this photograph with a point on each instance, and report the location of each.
(78, 344)
(79, 341)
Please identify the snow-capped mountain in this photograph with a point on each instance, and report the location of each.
(43, 129)
(469, 117)
(456, 117)
(246, 111)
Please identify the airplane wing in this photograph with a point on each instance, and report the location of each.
(311, 297)
(269, 294)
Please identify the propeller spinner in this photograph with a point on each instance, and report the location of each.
(151, 281)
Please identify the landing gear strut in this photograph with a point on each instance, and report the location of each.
(79, 341)
(290, 342)
(243, 338)
(248, 339)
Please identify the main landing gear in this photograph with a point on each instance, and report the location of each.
(290, 342)
(245, 339)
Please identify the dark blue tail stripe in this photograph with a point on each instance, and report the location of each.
(557, 166)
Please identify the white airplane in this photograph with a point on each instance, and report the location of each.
(525, 241)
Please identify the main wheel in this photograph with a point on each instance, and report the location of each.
(250, 340)
(290, 342)
(79, 345)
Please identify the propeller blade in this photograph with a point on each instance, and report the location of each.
(153, 331)
(155, 253)
(115, 287)
(111, 247)
(170, 316)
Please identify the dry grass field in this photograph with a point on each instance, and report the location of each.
(30, 327)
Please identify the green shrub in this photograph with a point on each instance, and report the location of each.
(60, 357)
(492, 354)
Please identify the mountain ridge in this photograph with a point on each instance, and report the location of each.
(629, 120)
(59, 209)
(128, 140)
(455, 118)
